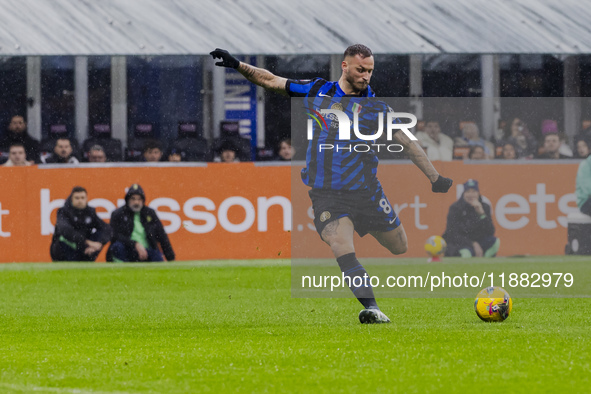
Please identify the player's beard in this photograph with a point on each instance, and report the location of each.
(359, 86)
(135, 208)
(362, 86)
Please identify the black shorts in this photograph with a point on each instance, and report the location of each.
(369, 210)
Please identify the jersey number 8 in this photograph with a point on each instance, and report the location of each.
(385, 206)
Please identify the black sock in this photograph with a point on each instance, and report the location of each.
(351, 268)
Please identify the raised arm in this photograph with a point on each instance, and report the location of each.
(256, 75)
(439, 184)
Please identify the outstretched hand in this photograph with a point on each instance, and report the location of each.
(227, 59)
(441, 185)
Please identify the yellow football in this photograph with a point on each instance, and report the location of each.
(435, 246)
(493, 304)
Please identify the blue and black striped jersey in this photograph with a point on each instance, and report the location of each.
(340, 168)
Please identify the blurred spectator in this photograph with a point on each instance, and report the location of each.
(79, 233)
(476, 153)
(501, 131)
(227, 153)
(175, 155)
(564, 146)
(286, 150)
(17, 132)
(470, 231)
(101, 136)
(62, 153)
(438, 145)
(550, 148)
(137, 231)
(152, 151)
(582, 148)
(550, 126)
(586, 130)
(228, 156)
(17, 156)
(509, 152)
(96, 154)
(471, 136)
(520, 137)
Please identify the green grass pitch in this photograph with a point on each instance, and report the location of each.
(219, 326)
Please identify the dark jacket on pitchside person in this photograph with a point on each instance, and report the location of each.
(465, 225)
(75, 226)
(122, 224)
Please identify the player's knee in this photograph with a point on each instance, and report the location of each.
(339, 245)
(399, 248)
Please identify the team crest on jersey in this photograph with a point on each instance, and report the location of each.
(337, 106)
(334, 122)
(324, 216)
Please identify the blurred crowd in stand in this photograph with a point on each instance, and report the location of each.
(514, 140)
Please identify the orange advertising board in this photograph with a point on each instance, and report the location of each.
(215, 212)
(529, 201)
(244, 211)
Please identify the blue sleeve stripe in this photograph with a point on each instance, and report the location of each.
(300, 88)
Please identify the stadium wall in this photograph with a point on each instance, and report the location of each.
(244, 211)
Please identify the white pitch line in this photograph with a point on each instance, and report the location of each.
(29, 388)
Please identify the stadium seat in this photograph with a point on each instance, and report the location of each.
(189, 130)
(135, 146)
(101, 135)
(230, 134)
(191, 143)
(192, 149)
(266, 154)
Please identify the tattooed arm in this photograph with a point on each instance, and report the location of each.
(258, 76)
(439, 184)
(263, 78)
(417, 155)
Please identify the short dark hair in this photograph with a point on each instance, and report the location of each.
(16, 144)
(358, 49)
(78, 189)
(152, 144)
(62, 138)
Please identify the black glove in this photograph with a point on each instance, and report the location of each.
(227, 59)
(441, 185)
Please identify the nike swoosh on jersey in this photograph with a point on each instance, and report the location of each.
(323, 95)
